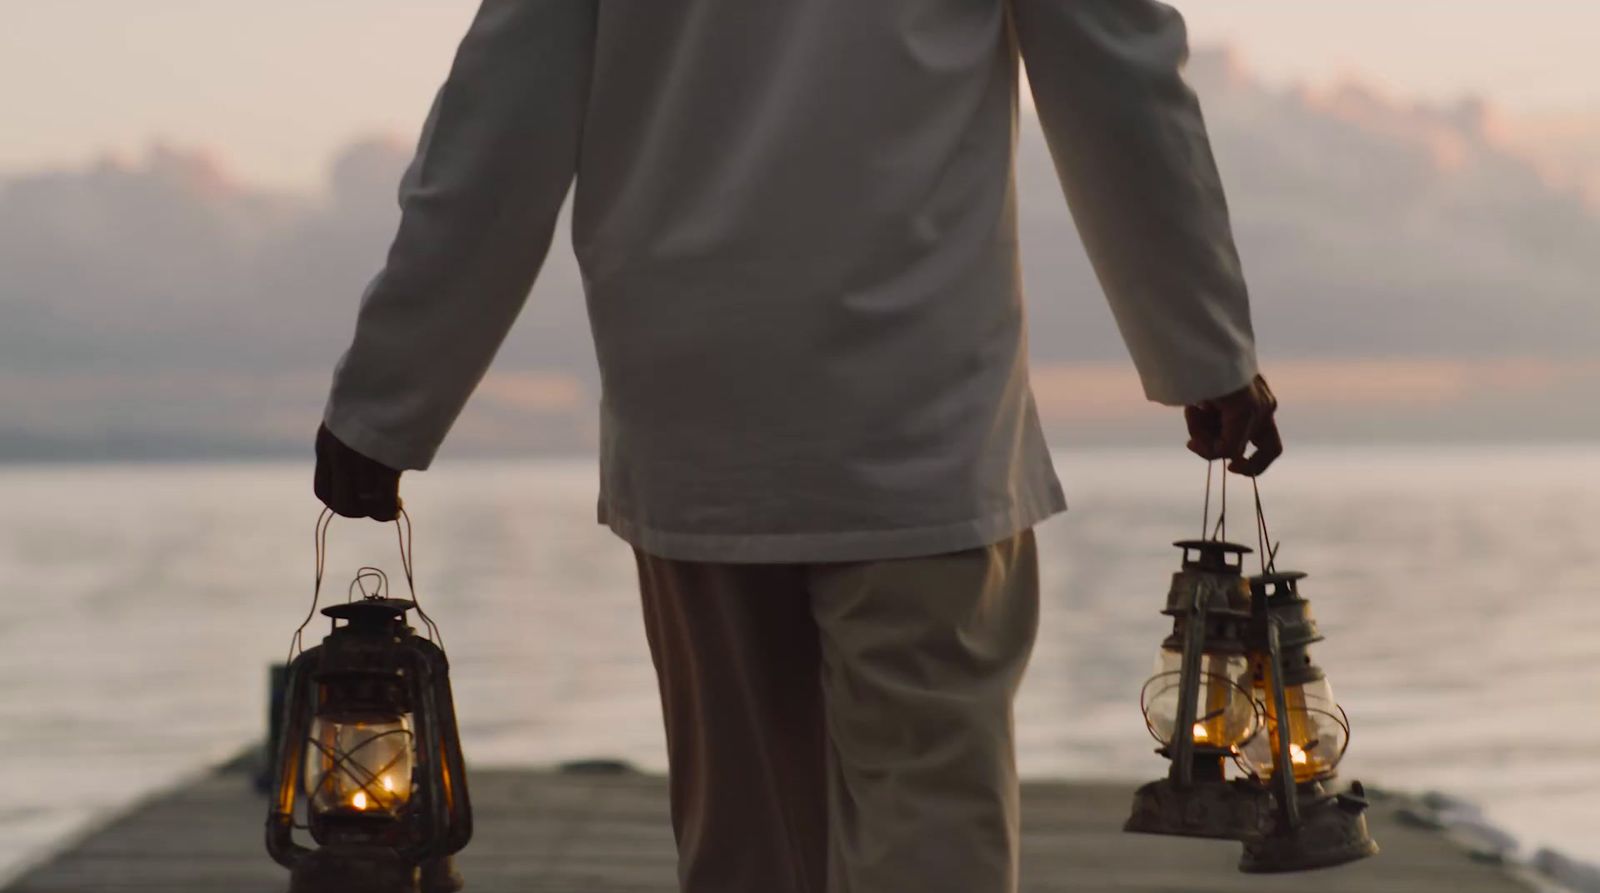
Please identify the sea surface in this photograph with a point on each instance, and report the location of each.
(1459, 590)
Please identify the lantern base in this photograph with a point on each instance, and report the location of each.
(441, 876)
(1332, 831)
(1220, 810)
(349, 868)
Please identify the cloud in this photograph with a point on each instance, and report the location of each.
(1413, 250)
(1564, 146)
(1369, 227)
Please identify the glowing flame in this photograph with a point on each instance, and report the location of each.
(1297, 755)
(1201, 733)
(388, 783)
(359, 801)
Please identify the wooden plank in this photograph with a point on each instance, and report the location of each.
(554, 832)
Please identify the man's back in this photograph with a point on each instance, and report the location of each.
(776, 131)
(796, 224)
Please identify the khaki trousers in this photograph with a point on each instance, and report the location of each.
(844, 727)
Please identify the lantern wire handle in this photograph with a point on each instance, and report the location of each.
(408, 548)
(320, 541)
(1269, 549)
(1222, 512)
(1220, 530)
(407, 542)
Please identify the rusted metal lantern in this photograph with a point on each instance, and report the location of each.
(1306, 735)
(1235, 682)
(369, 760)
(1199, 705)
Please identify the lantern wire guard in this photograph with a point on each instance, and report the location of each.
(369, 760)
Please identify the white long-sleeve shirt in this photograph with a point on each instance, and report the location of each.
(796, 222)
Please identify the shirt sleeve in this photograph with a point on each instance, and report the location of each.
(1131, 150)
(479, 204)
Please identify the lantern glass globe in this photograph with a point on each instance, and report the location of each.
(360, 765)
(1225, 715)
(1315, 726)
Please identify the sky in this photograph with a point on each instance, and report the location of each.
(277, 87)
(1413, 277)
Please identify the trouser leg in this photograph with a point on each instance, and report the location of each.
(736, 656)
(921, 662)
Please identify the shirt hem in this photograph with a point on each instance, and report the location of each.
(856, 545)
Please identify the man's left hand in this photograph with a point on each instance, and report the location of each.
(352, 484)
(1223, 427)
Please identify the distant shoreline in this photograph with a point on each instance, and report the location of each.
(1084, 445)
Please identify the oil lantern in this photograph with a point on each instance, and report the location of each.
(1200, 705)
(369, 761)
(1305, 737)
(1235, 683)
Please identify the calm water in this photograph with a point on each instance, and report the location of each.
(1458, 590)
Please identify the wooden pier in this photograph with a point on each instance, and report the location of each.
(552, 831)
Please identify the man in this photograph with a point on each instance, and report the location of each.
(797, 227)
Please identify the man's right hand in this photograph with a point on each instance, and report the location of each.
(352, 484)
(1222, 427)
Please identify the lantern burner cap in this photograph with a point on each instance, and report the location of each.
(371, 610)
(1213, 546)
(1214, 555)
(1277, 586)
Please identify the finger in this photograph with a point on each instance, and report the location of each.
(1267, 397)
(346, 500)
(378, 491)
(385, 502)
(1204, 425)
(321, 484)
(1238, 426)
(1269, 446)
(368, 493)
